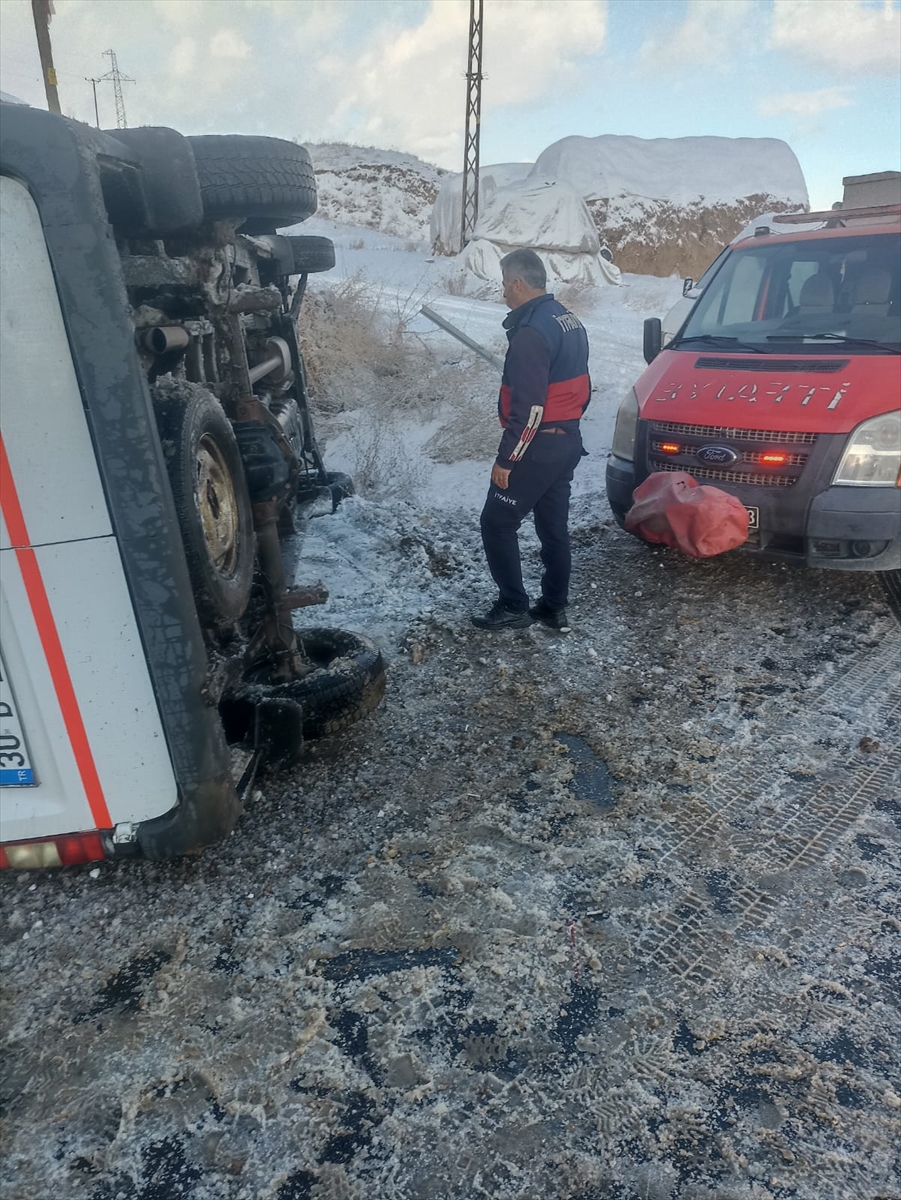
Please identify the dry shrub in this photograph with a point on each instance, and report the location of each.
(353, 354)
(368, 380)
(455, 285)
(471, 433)
(381, 465)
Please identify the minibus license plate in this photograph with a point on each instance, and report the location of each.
(15, 765)
(753, 518)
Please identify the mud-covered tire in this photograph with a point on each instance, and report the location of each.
(211, 499)
(266, 180)
(349, 681)
(312, 254)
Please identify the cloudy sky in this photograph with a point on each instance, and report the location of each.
(821, 74)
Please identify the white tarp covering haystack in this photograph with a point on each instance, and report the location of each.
(447, 211)
(683, 171)
(663, 205)
(670, 204)
(547, 216)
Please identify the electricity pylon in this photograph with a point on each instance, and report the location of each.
(470, 212)
(118, 79)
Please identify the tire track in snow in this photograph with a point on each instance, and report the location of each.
(689, 940)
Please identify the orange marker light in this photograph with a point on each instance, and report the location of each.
(774, 460)
(670, 447)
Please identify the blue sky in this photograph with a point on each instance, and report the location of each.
(822, 75)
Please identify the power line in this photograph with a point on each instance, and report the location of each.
(118, 79)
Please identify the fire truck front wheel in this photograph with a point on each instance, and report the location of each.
(211, 499)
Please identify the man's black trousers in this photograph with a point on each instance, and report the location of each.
(539, 483)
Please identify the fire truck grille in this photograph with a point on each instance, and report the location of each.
(726, 476)
(758, 458)
(776, 436)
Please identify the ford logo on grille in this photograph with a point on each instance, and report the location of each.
(716, 454)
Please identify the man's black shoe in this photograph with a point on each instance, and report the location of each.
(501, 617)
(553, 618)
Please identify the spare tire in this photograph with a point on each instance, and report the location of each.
(348, 683)
(312, 254)
(266, 180)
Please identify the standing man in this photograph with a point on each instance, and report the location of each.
(544, 391)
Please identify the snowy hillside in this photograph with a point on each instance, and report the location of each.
(378, 189)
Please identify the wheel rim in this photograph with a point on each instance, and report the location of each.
(217, 503)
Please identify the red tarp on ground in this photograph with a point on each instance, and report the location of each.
(672, 508)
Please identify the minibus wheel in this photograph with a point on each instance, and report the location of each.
(211, 499)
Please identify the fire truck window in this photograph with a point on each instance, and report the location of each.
(740, 301)
(800, 272)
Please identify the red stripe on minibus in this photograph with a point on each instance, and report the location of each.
(53, 650)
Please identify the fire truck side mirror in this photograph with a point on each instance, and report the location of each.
(653, 338)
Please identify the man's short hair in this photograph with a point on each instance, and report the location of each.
(524, 265)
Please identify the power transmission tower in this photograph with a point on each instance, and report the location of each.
(473, 124)
(41, 11)
(118, 79)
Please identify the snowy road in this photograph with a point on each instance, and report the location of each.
(605, 916)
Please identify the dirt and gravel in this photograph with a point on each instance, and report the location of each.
(606, 915)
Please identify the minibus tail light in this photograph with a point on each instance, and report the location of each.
(67, 851)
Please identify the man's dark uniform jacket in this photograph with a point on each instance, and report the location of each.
(545, 380)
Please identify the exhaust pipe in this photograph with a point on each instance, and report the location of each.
(163, 338)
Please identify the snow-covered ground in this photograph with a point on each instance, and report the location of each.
(400, 281)
(602, 917)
